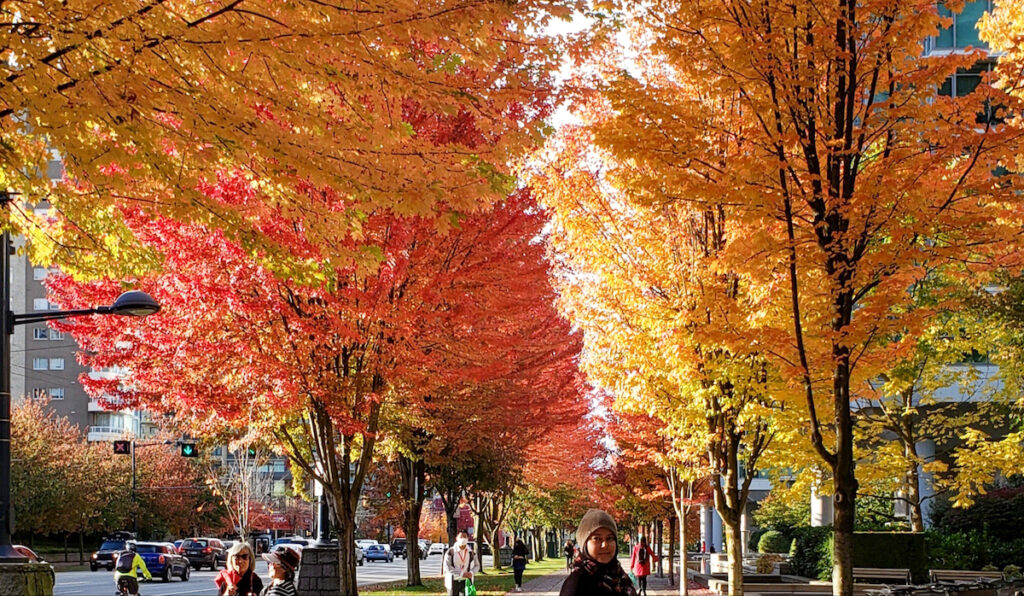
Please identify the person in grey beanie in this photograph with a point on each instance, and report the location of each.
(597, 571)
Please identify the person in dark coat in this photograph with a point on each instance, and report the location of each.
(596, 570)
(519, 556)
(570, 553)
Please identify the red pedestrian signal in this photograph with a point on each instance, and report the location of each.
(122, 447)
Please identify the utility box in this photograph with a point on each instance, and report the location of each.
(505, 556)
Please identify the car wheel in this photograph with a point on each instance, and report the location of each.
(360, 563)
(197, 567)
(185, 573)
(93, 567)
(166, 577)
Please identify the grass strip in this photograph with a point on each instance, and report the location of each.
(494, 583)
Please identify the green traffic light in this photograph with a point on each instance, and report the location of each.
(189, 450)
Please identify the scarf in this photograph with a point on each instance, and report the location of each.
(609, 576)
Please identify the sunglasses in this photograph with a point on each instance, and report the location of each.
(242, 556)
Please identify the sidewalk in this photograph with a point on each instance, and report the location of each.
(549, 585)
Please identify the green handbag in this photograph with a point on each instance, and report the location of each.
(470, 588)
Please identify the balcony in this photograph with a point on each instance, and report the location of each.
(105, 433)
(96, 405)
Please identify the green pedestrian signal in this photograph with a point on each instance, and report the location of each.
(251, 451)
(388, 494)
(189, 450)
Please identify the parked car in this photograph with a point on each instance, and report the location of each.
(204, 551)
(177, 546)
(296, 543)
(359, 555)
(365, 543)
(163, 561)
(104, 557)
(438, 548)
(28, 553)
(377, 552)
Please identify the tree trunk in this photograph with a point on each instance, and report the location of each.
(684, 571)
(661, 536)
(345, 524)
(913, 481)
(495, 558)
(734, 548)
(843, 473)
(671, 551)
(65, 547)
(81, 547)
(538, 549)
(413, 474)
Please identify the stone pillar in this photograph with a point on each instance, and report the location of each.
(926, 451)
(822, 512)
(26, 579)
(717, 536)
(319, 573)
(745, 529)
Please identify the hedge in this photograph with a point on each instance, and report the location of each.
(773, 541)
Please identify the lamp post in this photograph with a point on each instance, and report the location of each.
(133, 303)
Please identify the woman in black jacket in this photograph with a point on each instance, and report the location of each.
(596, 571)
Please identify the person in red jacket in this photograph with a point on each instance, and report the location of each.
(640, 564)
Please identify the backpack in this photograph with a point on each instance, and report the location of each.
(642, 555)
(125, 561)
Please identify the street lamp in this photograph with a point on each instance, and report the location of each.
(133, 303)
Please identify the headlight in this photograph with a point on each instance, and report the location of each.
(94, 555)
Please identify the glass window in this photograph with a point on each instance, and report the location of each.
(40, 304)
(54, 306)
(55, 335)
(56, 393)
(966, 24)
(964, 32)
(40, 333)
(56, 364)
(39, 273)
(39, 392)
(40, 363)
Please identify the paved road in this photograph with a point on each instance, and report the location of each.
(101, 583)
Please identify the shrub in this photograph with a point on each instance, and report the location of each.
(806, 549)
(755, 539)
(773, 541)
(1000, 513)
(776, 512)
(1012, 571)
(766, 563)
(972, 550)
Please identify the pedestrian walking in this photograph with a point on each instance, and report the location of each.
(519, 557)
(570, 553)
(458, 565)
(283, 563)
(640, 564)
(597, 571)
(238, 578)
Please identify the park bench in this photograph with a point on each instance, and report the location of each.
(869, 574)
(956, 575)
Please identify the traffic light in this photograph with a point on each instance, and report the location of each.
(251, 451)
(189, 450)
(122, 447)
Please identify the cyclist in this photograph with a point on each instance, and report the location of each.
(125, 577)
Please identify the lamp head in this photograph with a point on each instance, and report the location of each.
(135, 303)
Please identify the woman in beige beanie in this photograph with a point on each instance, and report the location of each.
(597, 572)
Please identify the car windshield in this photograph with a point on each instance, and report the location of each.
(194, 544)
(147, 548)
(112, 545)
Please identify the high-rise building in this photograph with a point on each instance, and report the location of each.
(44, 363)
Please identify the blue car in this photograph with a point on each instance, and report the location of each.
(163, 560)
(377, 552)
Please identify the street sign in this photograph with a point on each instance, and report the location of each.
(122, 447)
(189, 450)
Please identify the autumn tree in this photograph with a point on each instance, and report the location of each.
(820, 130)
(145, 103)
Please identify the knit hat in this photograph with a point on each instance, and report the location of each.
(592, 520)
